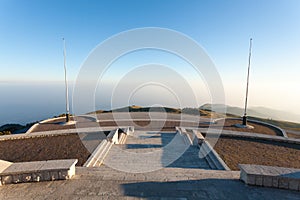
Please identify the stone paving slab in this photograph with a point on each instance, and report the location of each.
(58, 164)
(23, 167)
(146, 151)
(89, 183)
(163, 174)
(4, 165)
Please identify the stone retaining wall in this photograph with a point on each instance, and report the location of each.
(270, 176)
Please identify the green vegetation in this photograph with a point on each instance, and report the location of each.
(8, 129)
(61, 115)
(5, 132)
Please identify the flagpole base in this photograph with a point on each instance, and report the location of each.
(244, 126)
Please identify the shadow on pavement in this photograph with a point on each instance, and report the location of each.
(205, 189)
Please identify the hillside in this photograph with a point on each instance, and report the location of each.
(260, 112)
(189, 111)
(203, 111)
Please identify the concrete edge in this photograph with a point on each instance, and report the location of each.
(283, 133)
(209, 151)
(216, 158)
(56, 132)
(249, 135)
(43, 121)
(4, 165)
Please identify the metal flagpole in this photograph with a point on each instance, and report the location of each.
(247, 87)
(66, 84)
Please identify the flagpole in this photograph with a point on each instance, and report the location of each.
(66, 84)
(247, 87)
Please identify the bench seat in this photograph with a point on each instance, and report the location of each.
(36, 171)
(270, 176)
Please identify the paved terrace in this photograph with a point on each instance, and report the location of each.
(189, 177)
(148, 150)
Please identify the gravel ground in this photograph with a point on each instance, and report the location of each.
(229, 125)
(293, 135)
(44, 148)
(232, 150)
(236, 151)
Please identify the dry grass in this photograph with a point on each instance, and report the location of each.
(44, 148)
(292, 135)
(258, 128)
(236, 151)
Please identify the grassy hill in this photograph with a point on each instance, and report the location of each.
(260, 112)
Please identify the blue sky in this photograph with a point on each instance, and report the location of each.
(31, 45)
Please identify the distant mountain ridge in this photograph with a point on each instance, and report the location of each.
(261, 112)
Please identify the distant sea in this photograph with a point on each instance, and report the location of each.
(25, 102)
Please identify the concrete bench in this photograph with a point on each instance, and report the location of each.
(269, 176)
(49, 170)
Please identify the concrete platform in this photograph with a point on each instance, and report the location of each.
(167, 183)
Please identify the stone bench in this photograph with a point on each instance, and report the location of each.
(49, 170)
(269, 176)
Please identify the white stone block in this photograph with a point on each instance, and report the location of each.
(26, 178)
(275, 181)
(250, 179)
(283, 183)
(45, 176)
(53, 175)
(17, 178)
(259, 180)
(37, 177)
(63, 175)
(267, 181)
(294, 184)
(6, 179)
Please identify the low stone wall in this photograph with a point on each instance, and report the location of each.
(99, 154)
(37, 171)
(270, 176)
(117, 136)
(194, 137)
(216, 132)
(212, 157)
(60, 132)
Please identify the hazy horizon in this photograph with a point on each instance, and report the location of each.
(48, 99)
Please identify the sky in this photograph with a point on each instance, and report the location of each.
(31, 51)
